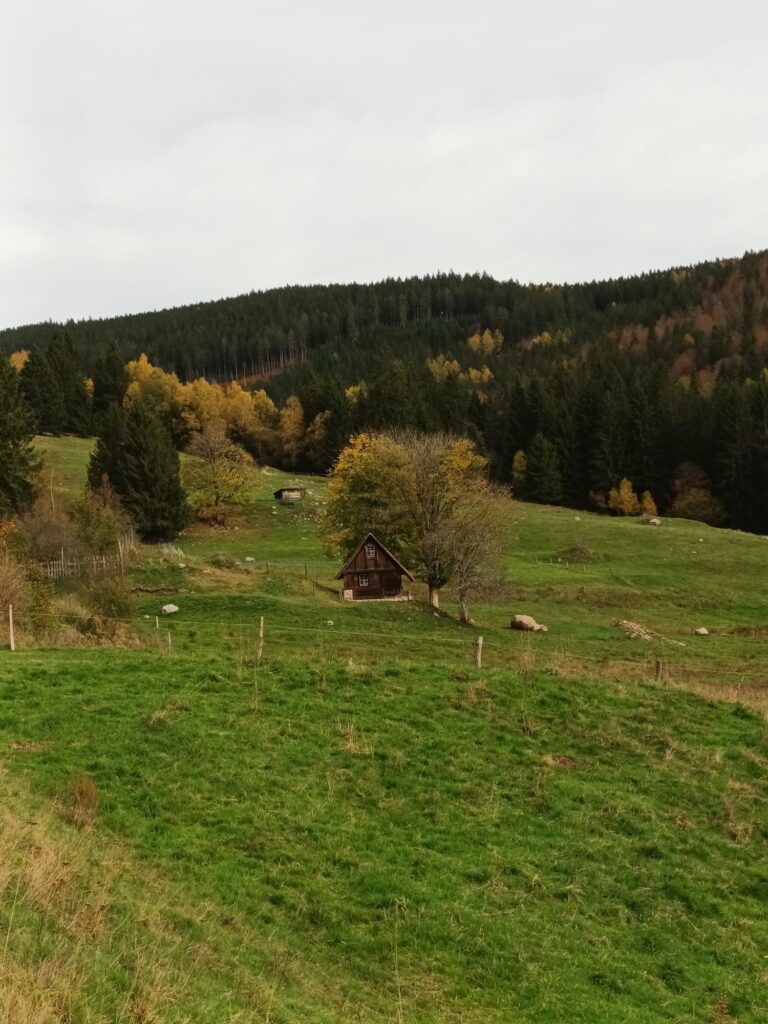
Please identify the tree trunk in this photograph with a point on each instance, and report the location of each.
(434, 596)
(463, 610)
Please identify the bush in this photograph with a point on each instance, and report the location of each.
(100, 521)
(108, 601)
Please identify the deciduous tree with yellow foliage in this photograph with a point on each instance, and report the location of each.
(413, 491)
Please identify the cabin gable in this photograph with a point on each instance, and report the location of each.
(373, 573)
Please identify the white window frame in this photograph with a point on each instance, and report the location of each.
(370, 550)
(362, 579)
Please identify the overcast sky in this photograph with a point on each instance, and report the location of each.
(165, 152)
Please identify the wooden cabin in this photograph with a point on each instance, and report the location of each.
(373, 574)
(289, 494)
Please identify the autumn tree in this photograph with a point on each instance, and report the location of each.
(648, 505)
(409, 489)
(471, 544)
(623, 500)
(217, 473)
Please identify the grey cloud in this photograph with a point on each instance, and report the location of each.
(169, 152)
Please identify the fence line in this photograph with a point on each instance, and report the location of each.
(93, 565)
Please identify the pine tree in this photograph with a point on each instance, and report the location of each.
(17, 459)
(543, 479)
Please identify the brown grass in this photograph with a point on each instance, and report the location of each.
(83, 802)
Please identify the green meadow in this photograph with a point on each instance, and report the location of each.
(361, 825)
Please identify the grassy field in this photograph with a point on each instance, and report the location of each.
(364, 827)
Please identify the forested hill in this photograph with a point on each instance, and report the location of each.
(660, 378)
(259, 331)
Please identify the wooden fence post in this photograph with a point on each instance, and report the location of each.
(658, 669)
(479, 652)
(260, 649)
(10, 627)
(169, 641)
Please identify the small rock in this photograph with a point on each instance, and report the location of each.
(182, 565)
(701, 631)
(169, 609)
(249, 559)
(329, 622)
(527, 624)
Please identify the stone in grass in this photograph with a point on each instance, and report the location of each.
(169, 609)
(528, 624)
(701, 631)
(249, 558)
(654, 521)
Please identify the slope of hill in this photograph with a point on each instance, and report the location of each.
(659, 378)
(262, 331)
(363, 826)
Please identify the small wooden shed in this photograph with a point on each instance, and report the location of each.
(289, 494)
(373, 574)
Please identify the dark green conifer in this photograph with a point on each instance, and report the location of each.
(149, 482)
(70, 381)
(17, 459)
(43, 394)
(107, 457)
(109, 380)
(543, 478)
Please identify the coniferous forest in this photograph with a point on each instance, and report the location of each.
(660, 379)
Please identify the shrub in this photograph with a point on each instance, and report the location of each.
(108, 602)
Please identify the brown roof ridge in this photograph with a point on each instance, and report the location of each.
(384, 548)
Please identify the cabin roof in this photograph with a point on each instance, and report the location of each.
(369, 537)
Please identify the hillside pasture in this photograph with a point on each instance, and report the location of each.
(577, 572)
(360, 825)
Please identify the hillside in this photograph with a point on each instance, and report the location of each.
(364, 826)
(659, 378)
(263, 331)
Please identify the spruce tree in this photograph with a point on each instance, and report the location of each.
(70, 380)
(42, 393)
(109, 380)
(148, 478)
(17, 459)
(107, 456)
(543, 479)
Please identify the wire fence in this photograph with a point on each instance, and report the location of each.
(260, 639)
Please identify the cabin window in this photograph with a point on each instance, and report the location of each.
(362, 580)
(370, 550)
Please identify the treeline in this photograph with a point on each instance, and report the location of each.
(264, 331)
(658, 379)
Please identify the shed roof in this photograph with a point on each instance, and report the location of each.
(369, 537)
